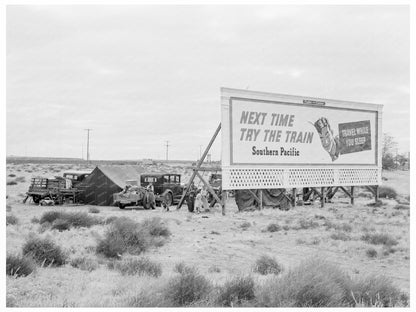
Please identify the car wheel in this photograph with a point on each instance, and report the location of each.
(121, 206)
(168, 199)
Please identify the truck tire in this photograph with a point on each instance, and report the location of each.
(168, 199)
(121, 206)
(36, 199)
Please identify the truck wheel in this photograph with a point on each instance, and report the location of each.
(168, 199)
(121, 206)
(36, 199)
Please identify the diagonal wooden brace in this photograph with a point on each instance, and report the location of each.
(208, 187)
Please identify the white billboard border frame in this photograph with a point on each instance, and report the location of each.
(229, 93)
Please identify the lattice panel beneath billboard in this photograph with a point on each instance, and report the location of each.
(241, 178)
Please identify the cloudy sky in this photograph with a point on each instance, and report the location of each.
(142, 75)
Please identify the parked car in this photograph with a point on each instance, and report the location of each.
(166, 187)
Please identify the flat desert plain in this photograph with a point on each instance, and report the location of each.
(220, 247)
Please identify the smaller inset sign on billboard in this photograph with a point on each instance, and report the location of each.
(354, 136)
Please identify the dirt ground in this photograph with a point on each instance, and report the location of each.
(230, 243)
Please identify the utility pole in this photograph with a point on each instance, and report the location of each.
(88, 144)
(167, 150)
(82, 155)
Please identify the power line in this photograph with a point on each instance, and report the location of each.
(88, 144)
(167, 150)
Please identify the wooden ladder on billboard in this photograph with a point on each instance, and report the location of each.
(195, 173)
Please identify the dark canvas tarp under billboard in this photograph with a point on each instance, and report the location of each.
(106, 180)
(271, 197)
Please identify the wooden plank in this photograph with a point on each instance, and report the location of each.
(261, 199)
(293, 197)
(352, 195)
(198, 166)
(322, 197)
(224, 199)
(255, 196)
(345, 191)
(210, 189)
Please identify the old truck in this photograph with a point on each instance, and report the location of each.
(59, 189)
(165, 187)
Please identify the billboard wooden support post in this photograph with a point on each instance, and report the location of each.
(322, 197)
(293, 197)
(196, 173)
(374, 190)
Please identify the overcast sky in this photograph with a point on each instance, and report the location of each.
(141, 75)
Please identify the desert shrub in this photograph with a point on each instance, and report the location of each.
(94, 210)
(371, 253)
(138, 266)
(186, 288)
(267, 265)
(376, 204)
(12, 175)
(314, 283)
(379, 239)
(20, 179)
(338, 226)
(156, 227)
(44, 251)
(214, 269)
(387, 192)
(17, 265)
(84, 263)
(340, 236)
(50, 216)
(286, 227)
(35, 220)
(401, 207)
(11, 220)
(377, 291)
(388, 250)
(235, 291)
(182, 268)
(245, 225)
(110, 219)
(68, 219)
(11, 182)
(60, 225)
(126, 235)
(80, 219)
(273, 227)
(307, 224)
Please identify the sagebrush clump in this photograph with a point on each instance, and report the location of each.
(62, 220)
(44, 251)
(387, 192)
(236, 291)
(138, 266)
(379, 239)
(11, 220)
(126, 235)
(17, 265)
(187, 288)
(267, 265)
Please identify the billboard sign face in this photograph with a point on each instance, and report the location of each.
(270, 131)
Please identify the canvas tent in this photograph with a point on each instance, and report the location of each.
(106, 180)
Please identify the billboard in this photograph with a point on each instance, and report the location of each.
(309, 136)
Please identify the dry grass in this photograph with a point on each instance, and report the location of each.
(11, 220)
(138, 266)
(234, 292)
(379, 239)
